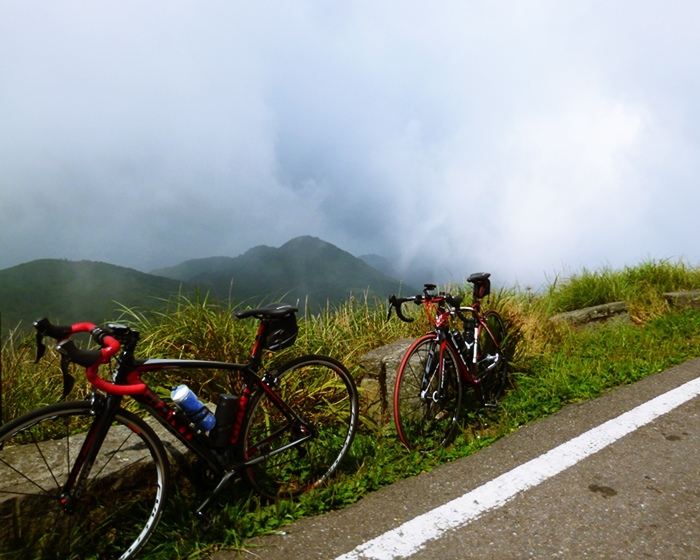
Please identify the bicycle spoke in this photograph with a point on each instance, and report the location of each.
(119, 503)
(492, 362)
(427, 396)
(322, 394)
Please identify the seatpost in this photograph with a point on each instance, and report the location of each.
(257, 350)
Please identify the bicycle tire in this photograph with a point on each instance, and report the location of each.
(492, 360)
(426, 416)
(119, 506)
(322, 392)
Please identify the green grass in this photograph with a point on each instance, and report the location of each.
(552, 365)
(641, 286)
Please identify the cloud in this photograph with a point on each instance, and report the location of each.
(516, 139)
(573, 172)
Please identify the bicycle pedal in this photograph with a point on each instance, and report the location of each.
(206, 521)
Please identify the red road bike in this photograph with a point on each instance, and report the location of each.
(90, 479)
(430, 379)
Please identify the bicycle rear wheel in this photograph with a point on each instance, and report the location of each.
(427, 395)
(492, 361)
(111, 516)
(323, 397)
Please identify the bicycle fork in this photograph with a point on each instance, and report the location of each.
(429, 372)
(434, 359)
(104, 409)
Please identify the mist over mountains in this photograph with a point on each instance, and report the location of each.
(305, 271)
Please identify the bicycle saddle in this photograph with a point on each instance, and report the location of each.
(478, 277)
(273, 311)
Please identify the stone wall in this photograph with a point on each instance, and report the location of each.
(378, 374)
(596, 314)
(618, 311)
(683, 300)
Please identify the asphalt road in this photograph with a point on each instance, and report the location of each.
(634, 496)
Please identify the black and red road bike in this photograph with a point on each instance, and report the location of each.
(429, 382)
(90, 479)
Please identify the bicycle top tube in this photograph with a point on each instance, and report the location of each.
(277, 330)
(92, 359)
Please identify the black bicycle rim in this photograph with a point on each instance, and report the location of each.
(113, 515)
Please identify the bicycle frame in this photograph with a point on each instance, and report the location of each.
(127, 380)
(179, 425)
(220, 461)
(441, 314)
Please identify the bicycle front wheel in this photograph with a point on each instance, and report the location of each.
(300, 442)
(111, 515)
(492, 360)
(427, 395)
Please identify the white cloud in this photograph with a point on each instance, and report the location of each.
(517, 139)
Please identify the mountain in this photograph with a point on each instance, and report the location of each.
(305, 269)
(381, 264)
(69, 291)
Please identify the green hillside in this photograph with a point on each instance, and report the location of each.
(303, 267)
(68, 291)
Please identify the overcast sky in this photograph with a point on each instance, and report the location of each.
(529, 139)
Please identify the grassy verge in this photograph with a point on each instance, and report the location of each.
(583, 366)
(552, 365)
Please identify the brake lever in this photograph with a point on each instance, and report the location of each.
(68, 379)
(392, 303)
(40, 347)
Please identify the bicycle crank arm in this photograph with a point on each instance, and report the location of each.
(202, 511)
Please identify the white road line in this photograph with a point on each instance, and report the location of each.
(414, 534)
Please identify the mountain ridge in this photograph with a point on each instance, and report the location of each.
(305, 271)
(70, 291)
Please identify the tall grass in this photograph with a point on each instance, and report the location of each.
(25, 385)
(641, 286)
(551, 365)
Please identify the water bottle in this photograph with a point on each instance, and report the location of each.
(188, 402)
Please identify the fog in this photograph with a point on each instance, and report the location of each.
(529, 140)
